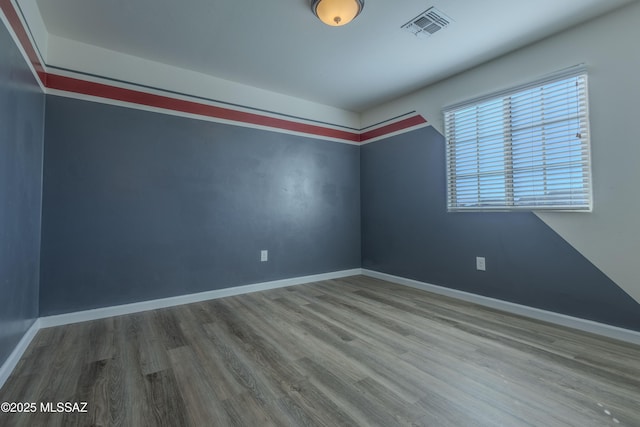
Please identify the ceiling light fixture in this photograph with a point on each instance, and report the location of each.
(337, 12)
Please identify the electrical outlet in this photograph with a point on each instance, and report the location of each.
(264, 255)
(480, 263)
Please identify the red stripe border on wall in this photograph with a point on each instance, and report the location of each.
(85, 87)
(393, 127)
(105, 91)
(16, 24)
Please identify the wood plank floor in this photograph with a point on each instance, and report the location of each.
(355, 351)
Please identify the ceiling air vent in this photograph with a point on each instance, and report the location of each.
(427, 23)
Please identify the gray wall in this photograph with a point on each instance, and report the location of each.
(21, 127)
(140, 205)
(406, 231)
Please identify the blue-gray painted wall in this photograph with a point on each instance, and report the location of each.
(140, 205)
(406, 231)
(21, 129)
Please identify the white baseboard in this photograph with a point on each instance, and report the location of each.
(602, 329)
(9, 365)
(100, 313)
(136, 307)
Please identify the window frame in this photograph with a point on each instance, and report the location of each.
(537, 203)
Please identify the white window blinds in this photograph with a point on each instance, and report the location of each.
(526, 148)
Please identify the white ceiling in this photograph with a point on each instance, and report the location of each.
(280, 46)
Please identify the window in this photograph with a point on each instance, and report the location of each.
(522, 149)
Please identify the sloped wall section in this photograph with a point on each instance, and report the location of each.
(609, 237)
(407, 232)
